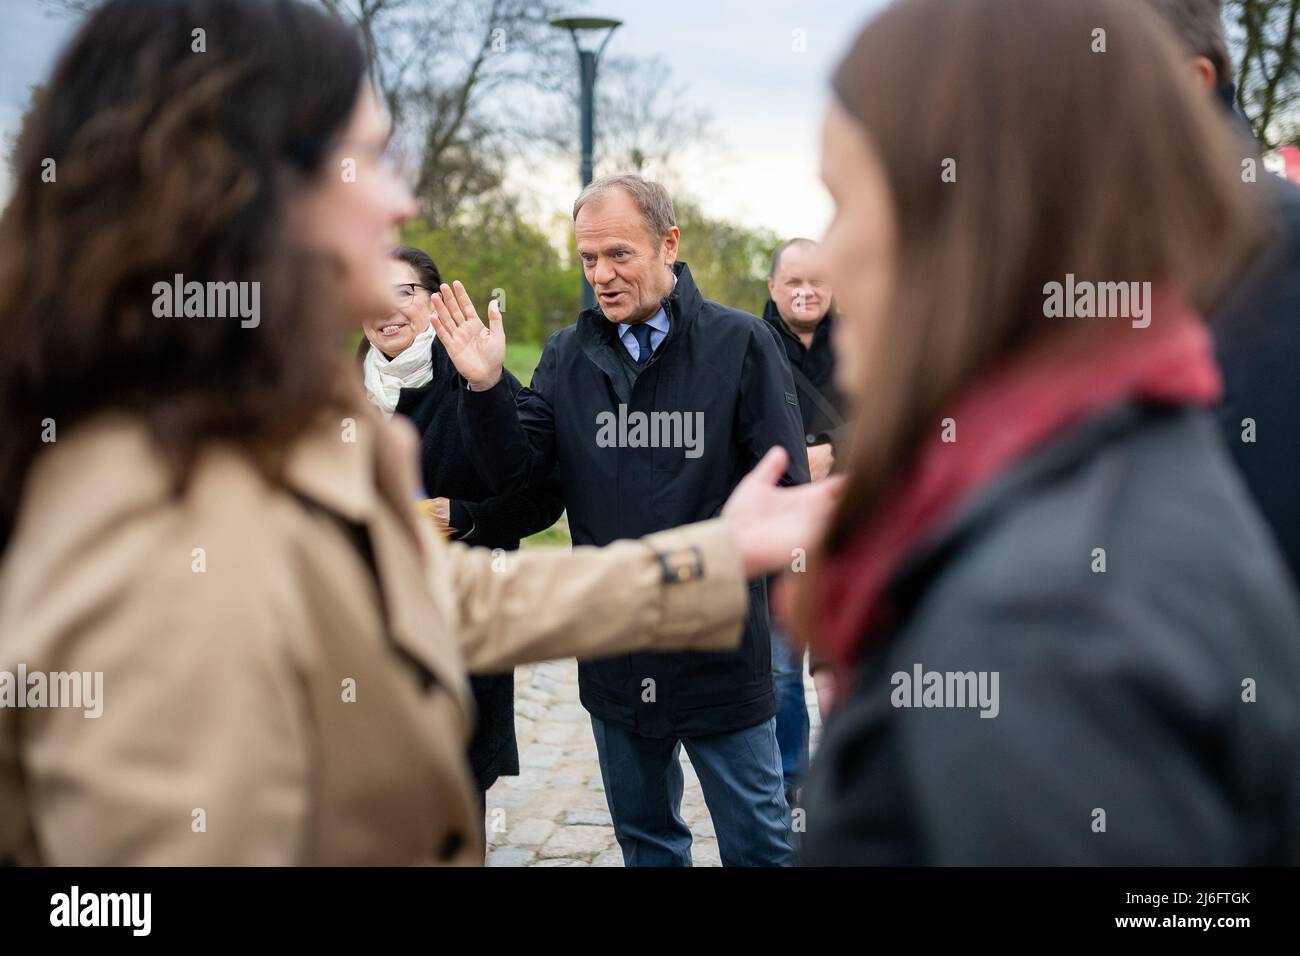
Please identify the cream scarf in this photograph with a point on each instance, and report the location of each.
(410, 368)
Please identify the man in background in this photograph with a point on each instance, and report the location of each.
(799, 312)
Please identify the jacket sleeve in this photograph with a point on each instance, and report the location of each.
(677, 590)
(223, 780)
(508, 517)
(509, 432)
(768, 412)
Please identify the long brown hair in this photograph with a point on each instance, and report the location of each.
(1080, 147)
(147, 157)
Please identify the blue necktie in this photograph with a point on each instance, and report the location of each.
(641, 332)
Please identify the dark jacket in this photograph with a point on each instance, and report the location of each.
(717, 366)
(484, 520)
(1119, 691)
(820, 403)
(1257, 333)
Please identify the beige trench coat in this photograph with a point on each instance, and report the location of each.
(284, 666)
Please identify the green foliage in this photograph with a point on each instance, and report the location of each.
(729, 261)
(522, 358)
(492, 247)
(556, 536)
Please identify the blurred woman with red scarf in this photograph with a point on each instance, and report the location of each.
(1060, 631)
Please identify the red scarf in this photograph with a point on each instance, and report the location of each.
(1003, 418)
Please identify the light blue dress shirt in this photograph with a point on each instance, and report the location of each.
(658, 332)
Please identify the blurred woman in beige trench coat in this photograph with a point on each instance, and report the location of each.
(199, 505)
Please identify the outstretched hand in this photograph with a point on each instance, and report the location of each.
(478, 351)
(770, 522)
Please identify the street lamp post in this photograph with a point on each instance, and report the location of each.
(587, 60)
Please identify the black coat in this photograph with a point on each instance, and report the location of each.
(1119, 691)
(718, 362)
(484, 520)
(820, 403)
(1257, 333)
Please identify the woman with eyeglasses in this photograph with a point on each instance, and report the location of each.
(407, 372)
(214, 518)
(397, 352)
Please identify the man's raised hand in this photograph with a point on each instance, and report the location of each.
(478, 351)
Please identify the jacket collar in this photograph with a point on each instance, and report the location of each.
(1010, 489)
(1069, 384)
(681, 306)
(334, 466)
(685, 302)
(598, 337)
(773, 315)
(351, 458)
(346, 462)
(350, 464)
(821, 336)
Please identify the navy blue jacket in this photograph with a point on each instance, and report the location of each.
(820, 402)
(725, 370)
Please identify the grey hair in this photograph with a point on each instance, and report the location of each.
(1199, 26)
(651, 198)
(777, 252)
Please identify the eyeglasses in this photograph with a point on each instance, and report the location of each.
(404, 293)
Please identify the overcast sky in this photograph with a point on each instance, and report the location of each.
(29, 43)
(738, 59)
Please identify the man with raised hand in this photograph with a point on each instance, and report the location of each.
(654, 404)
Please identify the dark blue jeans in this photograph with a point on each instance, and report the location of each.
(791, 709)
(740, 774)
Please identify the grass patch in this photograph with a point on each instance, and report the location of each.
(521, 359)
(556, 536)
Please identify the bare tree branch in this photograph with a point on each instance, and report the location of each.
(1266, 35)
